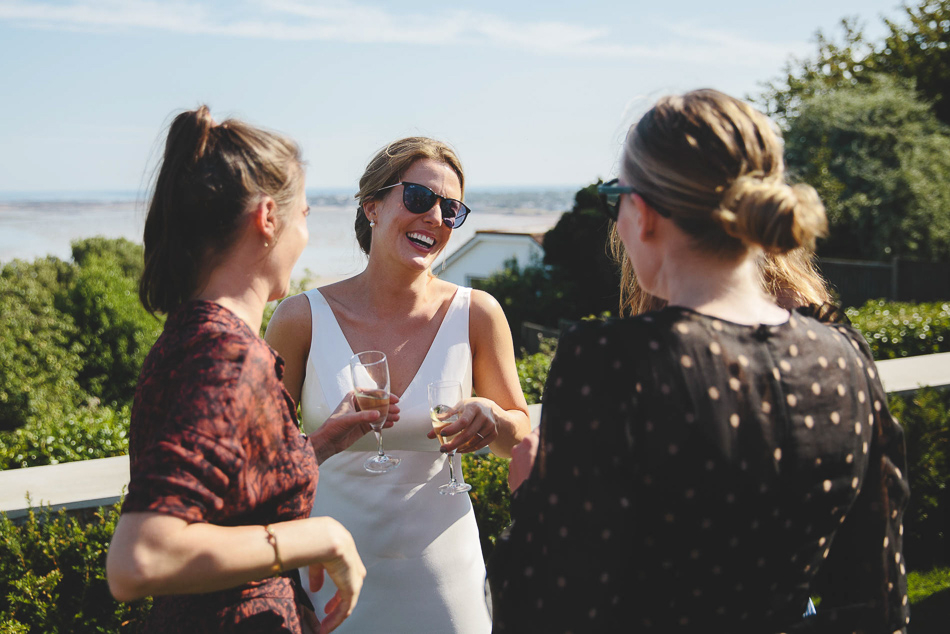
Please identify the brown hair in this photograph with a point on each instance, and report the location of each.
(387, 168)
(790, 278)
(714, 164)
(209, 176)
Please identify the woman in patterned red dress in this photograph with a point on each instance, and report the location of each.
(222, 480)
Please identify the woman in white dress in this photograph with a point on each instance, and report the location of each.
(425, 571)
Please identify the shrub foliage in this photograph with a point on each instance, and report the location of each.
(895, 330)
(488, 475)
(75, 335)
(82, 434)
(52, 576)
(39, 358)
(925, 416)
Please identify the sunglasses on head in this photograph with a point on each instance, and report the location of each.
(419, 199)
(610, 193)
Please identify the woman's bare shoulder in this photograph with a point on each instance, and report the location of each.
(485, 306)
(292, 312)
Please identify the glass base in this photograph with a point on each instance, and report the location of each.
(380, 464)
(452, 488)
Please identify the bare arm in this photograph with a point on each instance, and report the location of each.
(289, 333)
(498, 416)
(155, 554)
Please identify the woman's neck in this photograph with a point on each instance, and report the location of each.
(232, 285)
(729, 289)
(386, 290)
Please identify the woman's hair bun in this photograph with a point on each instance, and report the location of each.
(772, 214)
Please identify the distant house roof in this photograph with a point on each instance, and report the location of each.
(536, 236)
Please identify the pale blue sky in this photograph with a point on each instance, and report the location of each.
(529, 93)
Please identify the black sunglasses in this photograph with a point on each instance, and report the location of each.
(419, 199)
(610, 193)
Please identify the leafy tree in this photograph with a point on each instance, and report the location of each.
(576, 278)
(920, 50)
(835, 65)
(112, 326)
(880, 161)
(526, 294)
(576, 250)
(128, 256)
(39, 357)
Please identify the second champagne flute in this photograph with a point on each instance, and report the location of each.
(371, 383)
(444, 397)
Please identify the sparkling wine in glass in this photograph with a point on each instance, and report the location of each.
(444, 397)
(371, 383)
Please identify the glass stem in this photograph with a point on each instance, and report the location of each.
(452, 467)
(379, 442)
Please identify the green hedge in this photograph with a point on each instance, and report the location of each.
(925, 417)
(488, 475)
(84, 434)
(39, 357)
(533, 370)
(52, 576)
(895, 329)
(112, 327)
(52, 567)
(74, 333)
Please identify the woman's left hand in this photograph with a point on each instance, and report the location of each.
(475, 428)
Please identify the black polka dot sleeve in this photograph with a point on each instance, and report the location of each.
(573, 519)
(863, 584)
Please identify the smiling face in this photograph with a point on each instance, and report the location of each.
(413, 240)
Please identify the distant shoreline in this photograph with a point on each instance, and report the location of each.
(45, 227)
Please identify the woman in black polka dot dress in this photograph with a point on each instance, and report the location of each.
(709, 466)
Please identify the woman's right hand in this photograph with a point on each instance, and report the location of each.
(346, 425)
(344, 567)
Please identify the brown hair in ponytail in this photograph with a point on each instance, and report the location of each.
(209, 178)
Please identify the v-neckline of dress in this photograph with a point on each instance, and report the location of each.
(346, 342)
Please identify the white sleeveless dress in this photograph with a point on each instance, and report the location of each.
(423, 560)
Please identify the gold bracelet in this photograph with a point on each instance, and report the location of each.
(272, 540)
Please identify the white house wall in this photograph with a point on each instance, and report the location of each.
(488, 255)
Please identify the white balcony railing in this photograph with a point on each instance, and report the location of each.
(93, 483)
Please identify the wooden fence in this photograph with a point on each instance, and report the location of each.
(900, 280)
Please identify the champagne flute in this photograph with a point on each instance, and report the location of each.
(370, 373)
(444, 397)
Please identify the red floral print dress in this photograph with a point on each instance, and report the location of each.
(214, 438)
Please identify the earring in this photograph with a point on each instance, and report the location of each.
(265, 244)
(372, 223)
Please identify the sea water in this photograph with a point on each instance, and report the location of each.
(36, 225)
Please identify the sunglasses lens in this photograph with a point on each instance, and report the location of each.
(610, 202)
(417, 198)
(450, 208)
